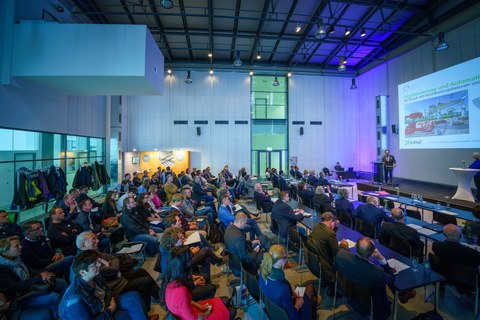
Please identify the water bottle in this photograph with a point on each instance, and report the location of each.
(427, 269)
(398, 191)
(314, 215)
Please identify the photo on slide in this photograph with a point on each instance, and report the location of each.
(439, 116)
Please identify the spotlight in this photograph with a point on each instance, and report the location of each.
(259, 56)
(211, 71)
(169, 70)
(237, 62)
(341, 65)
(354, 85)
(275, 82)
(188, 79)
(442, 44)
(363, 33)
(210, 54)
(289, 73)
(331, 30)
(166, 4)
(347, 31)
(298, 28)
(60, 9)
(320, 33)
(251, 72)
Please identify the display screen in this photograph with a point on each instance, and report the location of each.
(441, 110)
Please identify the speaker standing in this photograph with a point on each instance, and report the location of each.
(389, 163)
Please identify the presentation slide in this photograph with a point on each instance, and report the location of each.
(441, 110)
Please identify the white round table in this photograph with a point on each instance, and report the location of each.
(464, 180)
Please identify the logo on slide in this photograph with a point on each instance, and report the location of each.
(409, 142)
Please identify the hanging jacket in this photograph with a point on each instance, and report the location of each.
(95, 179)
(83, 177)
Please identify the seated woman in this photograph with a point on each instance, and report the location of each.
(274, 285)
(321, 199)
(155, 198)
(143, 209)
(109, 209)
(87, 297)
(178, 296)
(25, 291)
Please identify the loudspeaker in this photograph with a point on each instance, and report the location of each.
(199, 131)
(301, 131)
(394, 128)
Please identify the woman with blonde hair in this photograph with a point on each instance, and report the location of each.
(276, 287)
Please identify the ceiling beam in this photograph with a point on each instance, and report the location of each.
(163, 39)
(235, 28)
(387, 4)
(127, 11)
(185, 27)
(284, 27)
(259, 29)
(210, 25)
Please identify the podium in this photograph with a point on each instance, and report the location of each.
(378, 172)
(464, 181)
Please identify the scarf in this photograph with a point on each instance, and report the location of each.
(277, 274)
(17, 266)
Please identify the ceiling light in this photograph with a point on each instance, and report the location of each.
(210, 54)
(442, 44)
(298, 28)
(188, 79)
(289, 73)
(211, 71)
(363, 33)
(341, 65)
(275, 82)
(331, 30)
(320, 33)
(354, 85)
(259, 56)
(169, 70)
(237, 62)
(347, 31)
(166, 4)
(251, 72)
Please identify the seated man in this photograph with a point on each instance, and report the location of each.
(342, 204)
(324, 182)
(190, 208)
(130, 194)
(323, 242)
(37, 253)
(249, 186)
(70, 207)
(177, 201)
(119, 282)
(338, 167)
(298, 175)
(398, 229)
(226, 214)
(83, 195)
(282, 184)
(87, 297)
(285, 216)
(312, 178)
(137, 229)
(262, 198)
(9, 229)
(305, 193)
(86, 218)
(200, 192)
(370, 212)
(62, 234)
(248, 252)
(358, 269)
(452, 251)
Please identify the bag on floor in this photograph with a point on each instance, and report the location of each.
(430, 315)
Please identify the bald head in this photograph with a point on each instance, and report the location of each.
(397, 215)
(257, 187)
(452, 232)
(365, 247)
(372, 200)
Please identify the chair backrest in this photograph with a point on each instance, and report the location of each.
(366, 228)
(465, 275)
(444, 218)
(251, 282)
(235, 263)
(312, 262)
(362, 198)
(295, 238)
(350, 169)
(345, 218)
(117, 236)
(259, 207)
(359, 298)
(414, 214)
(273, 311)
(326, 171)
(274, 225)
(402, 246)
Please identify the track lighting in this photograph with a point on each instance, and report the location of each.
(259, 56)
(210, 54)
(275, 82)
(442, 44)
(289, 73)
(354, 85)
(211, 71)
(347, 31)
(188, 79)
(298, 28)
(251, 72)
(320, 33)
(237, 62)
(341, 65)
(363, 33)
(166, 4)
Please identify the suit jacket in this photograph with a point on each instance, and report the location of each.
(298, 174)
(274, 178)
(369, 212)
(402, 231)
(236, 243)
(343, 205)
(306, 194)
(264, 200)
(282, 184)
(285, 217)
(323, 242)
(312, 180)
(369, 275)
(449, 251)
(388, 161)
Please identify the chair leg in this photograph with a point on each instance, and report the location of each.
(475, 314)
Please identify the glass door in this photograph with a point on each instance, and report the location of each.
(268, 159)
